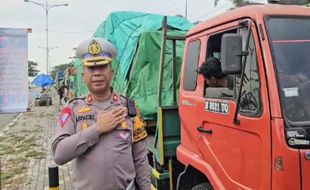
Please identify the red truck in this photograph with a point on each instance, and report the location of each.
(255, 135)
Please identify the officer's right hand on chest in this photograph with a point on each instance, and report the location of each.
(108, 120)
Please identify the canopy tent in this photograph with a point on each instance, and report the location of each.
(43, 81)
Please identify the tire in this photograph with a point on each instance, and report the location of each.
(202, 186)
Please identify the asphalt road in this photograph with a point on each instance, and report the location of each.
(8, 117)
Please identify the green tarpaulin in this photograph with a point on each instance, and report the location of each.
(137, 38)
(143, 78)
(80, 87)
(123, 29)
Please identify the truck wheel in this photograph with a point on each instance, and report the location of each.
(202, 186)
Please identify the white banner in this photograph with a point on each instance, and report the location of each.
(14, 93)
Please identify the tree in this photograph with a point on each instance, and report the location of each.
(32, 71)
(61, 67)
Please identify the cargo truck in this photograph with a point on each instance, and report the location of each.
(258, 136)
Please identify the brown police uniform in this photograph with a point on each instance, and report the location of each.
(112, 160)
(106, 162)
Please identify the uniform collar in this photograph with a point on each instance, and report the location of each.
(115, 98)
(89, 100)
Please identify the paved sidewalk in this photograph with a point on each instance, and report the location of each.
(25, 150)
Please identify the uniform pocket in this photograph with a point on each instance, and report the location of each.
(123, 136)
(83, 125)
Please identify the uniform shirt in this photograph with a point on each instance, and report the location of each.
(109, 161)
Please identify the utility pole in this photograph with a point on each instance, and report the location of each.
(46, 7)
(186, 9)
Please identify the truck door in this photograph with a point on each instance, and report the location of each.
(239, 154)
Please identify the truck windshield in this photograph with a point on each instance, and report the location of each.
(290, 44)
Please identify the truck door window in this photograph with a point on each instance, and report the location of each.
(217, 84)
(191, 66)
(250, 101)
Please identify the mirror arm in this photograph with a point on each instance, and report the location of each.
(245, 55)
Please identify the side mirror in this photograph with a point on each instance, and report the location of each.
(231, 51)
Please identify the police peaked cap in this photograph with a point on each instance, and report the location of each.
(95, 52)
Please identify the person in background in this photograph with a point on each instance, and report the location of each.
(212, 72)
(43, 91)
(107, 146)
(61, 92)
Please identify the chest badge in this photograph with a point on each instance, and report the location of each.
(124, 124)
(84, 126)
(84, 110)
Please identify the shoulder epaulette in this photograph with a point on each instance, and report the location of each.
(139, 131)
(74, 99)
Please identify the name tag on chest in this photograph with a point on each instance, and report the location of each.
(85, 117)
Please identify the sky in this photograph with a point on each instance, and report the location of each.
(70, 25)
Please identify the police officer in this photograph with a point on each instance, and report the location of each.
(108, 148)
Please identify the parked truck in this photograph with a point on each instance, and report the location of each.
(258, 136)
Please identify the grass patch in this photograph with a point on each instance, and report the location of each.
(16, 162)
(17, 138)
(25, 145)
(50, 114)
(7, 177)
(35, 154)
(37, 129)
(24, 131)
(42, 114)
(15, 183)
(29, 142)
(6, 149)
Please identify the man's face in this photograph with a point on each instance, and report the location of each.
(211, 82)
(98, 78)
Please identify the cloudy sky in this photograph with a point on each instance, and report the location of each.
(68, 26)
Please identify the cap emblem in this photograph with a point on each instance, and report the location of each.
(94, 48)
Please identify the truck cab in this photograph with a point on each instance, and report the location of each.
(256, 133)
